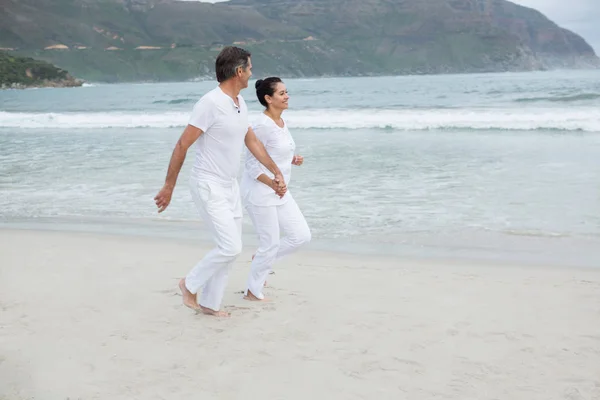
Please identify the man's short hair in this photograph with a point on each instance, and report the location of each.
(229, 60)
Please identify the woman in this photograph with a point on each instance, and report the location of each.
(271, 213)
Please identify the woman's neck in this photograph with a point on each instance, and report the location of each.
(275, 115)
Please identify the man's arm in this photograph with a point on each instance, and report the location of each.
(188, 137)
(260, 153)
(258, 150)
(273, 184)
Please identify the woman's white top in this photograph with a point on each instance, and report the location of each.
(280, 145)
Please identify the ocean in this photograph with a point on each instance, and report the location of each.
(498, 166)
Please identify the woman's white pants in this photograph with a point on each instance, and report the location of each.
(220, 208)
(270, 222)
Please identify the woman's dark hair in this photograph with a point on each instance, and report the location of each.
(266, 87)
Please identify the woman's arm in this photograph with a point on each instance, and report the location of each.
(256, 169)
(259, 152)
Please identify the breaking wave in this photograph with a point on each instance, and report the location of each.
(580, 119)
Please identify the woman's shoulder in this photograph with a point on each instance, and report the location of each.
(260, 122)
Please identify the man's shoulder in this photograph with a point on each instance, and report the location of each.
(210, 102)
(209, 97)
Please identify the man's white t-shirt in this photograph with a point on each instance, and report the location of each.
(219, 148)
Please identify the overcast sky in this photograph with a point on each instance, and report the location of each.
(580, 16)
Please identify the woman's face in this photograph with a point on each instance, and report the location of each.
(279, 100)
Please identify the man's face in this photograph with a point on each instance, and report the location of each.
(246, 74)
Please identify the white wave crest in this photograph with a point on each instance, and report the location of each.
(580, 119)
(91, 120)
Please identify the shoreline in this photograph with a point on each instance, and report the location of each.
(59, 84)
(99, 316)
(498, 248)
(210, 78)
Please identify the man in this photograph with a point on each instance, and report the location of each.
(219, 127)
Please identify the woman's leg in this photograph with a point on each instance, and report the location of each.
(293, 226)
(266, 224)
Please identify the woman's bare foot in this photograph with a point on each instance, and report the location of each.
(210, 311)
(251, 297)
(189, 299)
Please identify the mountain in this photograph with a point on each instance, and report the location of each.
(129, 40)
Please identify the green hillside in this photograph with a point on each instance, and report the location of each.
(297, 38)
(25, 72)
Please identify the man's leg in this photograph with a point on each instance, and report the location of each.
(266, 225)
(293, 226)
(215, 206)
(213, 291)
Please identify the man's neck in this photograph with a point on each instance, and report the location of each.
(230, 88)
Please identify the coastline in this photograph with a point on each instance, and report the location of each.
(471, 247)
(88, 315)
(61, 84)
(78, 82)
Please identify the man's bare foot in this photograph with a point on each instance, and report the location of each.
(252, 297)
(210, 311)
(189, 299)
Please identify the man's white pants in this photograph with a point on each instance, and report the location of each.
(221, 209)
(268, 222)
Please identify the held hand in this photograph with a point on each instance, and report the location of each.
(297, 160)
(279, 185)
(279, 179)
(163, 198)
(279, 190)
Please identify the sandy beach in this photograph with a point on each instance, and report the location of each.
(92, 316)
